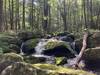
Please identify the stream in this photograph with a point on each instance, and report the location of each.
(51, 59)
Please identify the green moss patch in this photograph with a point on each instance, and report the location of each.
(57, 70)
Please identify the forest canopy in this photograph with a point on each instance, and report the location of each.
(49, 15)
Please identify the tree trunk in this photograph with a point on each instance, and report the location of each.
(1, 15)
(82, 49)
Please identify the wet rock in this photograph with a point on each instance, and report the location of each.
(29, 46)
(58, 48)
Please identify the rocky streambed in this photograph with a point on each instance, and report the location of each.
(38, 55)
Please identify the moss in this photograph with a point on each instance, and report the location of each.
(11, 57)
(57, 70)
(59, 60)
(55, 43)
(4, 42)
(31, 43)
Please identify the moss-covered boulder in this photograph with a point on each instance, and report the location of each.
(21, 68)
(29, 46)
(11, 57)
(8, 42)
(58, 48)
(58, 70)
(8, 59)
(92, 54)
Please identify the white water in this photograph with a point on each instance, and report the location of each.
(40, 46)
(21, 48)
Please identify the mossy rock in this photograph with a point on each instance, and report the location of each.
(21, 68)
(33, 60)
(56, 43)
(5, 42)
(92, 54)
(31, 43)
(57, 70)
(27, 35)
(29, 46)
(11, 57)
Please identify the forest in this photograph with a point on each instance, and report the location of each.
(49, 37)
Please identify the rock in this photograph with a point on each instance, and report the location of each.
(10, 57)
(14, 48)
(27, 35)
(5, 41)
(94, 40)
(33, 60)
(29, 46)
(58, 48)
(58, 70)
(5, 64)
(92, 54)
(92, 58)
(21, 68)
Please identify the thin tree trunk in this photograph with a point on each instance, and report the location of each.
(23, 21)
(82, 49)
(1, 15)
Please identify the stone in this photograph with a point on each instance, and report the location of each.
(21, 68)
(29, 46)
(11, 57)
(58, 48)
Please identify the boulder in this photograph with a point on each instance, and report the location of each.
(21, 68)
(92, 54)
(29, 46)
(58, 70)
(59, 48)
(27, 35)
(10, 57)
(92, 58)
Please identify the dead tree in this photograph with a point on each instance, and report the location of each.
(84, 46)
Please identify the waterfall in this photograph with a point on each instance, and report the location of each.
(40, 46)
(21, 48)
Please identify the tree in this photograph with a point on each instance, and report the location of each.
(1, 15)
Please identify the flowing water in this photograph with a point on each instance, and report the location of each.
(40, 46)
(21, 48)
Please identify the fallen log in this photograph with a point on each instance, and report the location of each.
(84, 46)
